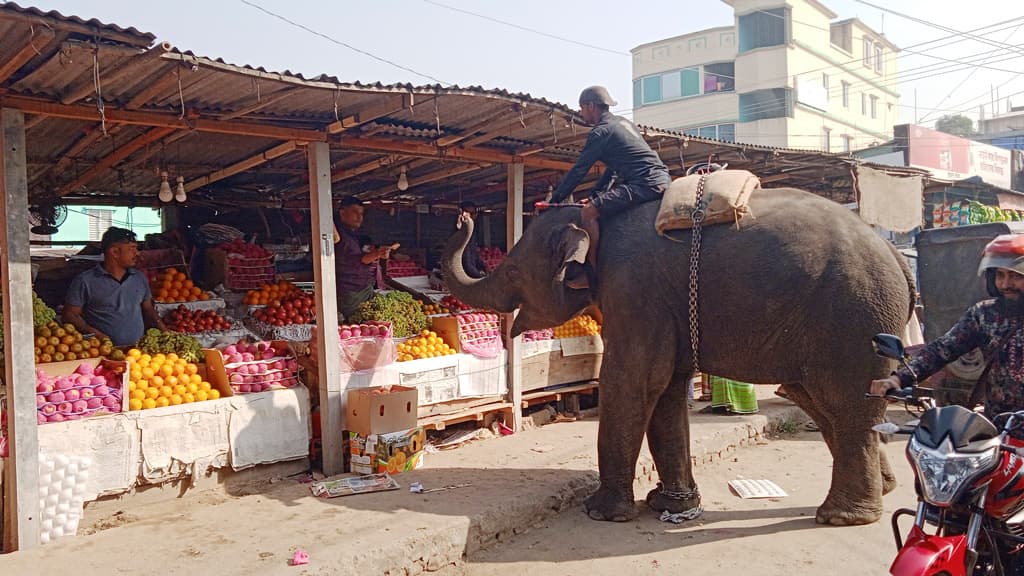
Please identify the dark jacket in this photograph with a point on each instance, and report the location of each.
(999, 335)
(617, 143)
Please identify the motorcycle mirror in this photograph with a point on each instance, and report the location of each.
(889, 346)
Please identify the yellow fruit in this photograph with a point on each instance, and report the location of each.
(135, 373)
(134, 353)
(148, 404)
(167, 370)
(162, 402)
(135, 404)
(191, 369)
(195, 379)
(145, 358)
(142, 385)
(203, 385)
(188, 398)
(192, 387)
(137, 395)
(131, 386)
(180, 390)
(175, 399)
(172, 357)
(213, 394)
(201, 396)
(159, 358)
(173, 381)
(166, 391)
(152, 393)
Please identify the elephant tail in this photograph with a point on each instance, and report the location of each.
(908, 275)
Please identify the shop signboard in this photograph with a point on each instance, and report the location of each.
(954, 158)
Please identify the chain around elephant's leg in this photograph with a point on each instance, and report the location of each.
(668, 436)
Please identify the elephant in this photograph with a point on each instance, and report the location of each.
(790, 294)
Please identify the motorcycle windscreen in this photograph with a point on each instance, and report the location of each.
(963, 427)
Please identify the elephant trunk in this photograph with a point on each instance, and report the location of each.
(492, 292)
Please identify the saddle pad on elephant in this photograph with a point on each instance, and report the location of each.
(726, 193)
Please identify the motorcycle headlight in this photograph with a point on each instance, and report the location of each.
(943, 471)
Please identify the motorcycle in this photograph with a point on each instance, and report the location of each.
(969, 480)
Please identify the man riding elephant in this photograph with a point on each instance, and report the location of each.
(634, 173)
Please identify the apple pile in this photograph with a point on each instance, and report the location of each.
(295, 308)
(369, 329)
(259, 366)
(248, 265)
(403, 269)
(538, 335)
(85, 392)
(492, 257)
(183, 319)
(454, 304)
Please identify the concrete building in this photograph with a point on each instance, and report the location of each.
(783, 74)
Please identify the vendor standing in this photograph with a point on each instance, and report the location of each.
(113, 299)
(355, 268)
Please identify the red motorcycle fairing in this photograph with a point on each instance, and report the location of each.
(928, 555)
(1006, 484)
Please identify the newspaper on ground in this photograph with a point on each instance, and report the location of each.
(745, 488)
(354, 485)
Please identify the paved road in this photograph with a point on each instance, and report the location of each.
(735, 536)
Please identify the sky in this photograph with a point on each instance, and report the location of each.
(572, 44)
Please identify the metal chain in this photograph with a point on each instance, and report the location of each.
(697, 216)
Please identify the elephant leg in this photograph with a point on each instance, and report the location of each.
(631, 383)
(668, 436)
(846, 420)
(860, 471)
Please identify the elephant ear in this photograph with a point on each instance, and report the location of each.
(571, 248)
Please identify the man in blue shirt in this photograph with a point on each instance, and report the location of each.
(633, 174)
(113, 299)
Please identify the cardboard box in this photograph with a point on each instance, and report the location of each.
(394, 453)
(379, 411)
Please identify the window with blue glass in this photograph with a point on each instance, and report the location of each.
(763, 28)
(684, 83)
(652, 89)
(764, 104)
(725, 132)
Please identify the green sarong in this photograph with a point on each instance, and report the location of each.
(736, 397)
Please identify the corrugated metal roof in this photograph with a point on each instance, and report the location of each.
(54, 16)
(446, 136)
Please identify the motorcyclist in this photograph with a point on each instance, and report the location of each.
(996, 326)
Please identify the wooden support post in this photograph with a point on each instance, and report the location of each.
(21, 483)
(327, 344)
(513, 230)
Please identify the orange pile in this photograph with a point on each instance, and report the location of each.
(269, 293)
(172, 285)
(164, 380)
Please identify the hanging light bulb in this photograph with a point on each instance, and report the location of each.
(166, 195)
(403, 181)
(179, 194)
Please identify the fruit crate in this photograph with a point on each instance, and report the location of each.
(476, 333)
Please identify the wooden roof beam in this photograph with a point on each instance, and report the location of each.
(155, 88)
(450, 172)
(392, 105)
(118, 155)
(39, 38)
(457, 153)
(494, 134)
(161, 120)
(133, 65)
(261, 104)
(243, 165)
(470, 131)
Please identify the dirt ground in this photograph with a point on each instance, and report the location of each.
(735, 536)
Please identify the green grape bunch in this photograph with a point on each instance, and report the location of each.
(41, 313)
(400, 308)
(156, 341)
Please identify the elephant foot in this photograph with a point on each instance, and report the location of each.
(848, 515)
(610, 506)
(660, 500)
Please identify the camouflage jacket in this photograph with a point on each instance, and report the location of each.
(999, 335)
